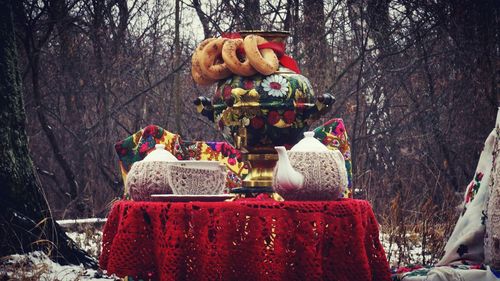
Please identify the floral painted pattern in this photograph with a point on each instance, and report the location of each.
(275, 85)
(334, 135)
(473, 187)
(286, 108)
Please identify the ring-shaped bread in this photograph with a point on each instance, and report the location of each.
(212, 65)
(198, 76)
(264, 61)
(232, 60)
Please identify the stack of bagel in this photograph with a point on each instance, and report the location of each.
(218, 58)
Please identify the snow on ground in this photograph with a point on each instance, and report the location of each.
(398, 257)
(37, 266)
(88, 240)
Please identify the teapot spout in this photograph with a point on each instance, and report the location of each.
(286, 176)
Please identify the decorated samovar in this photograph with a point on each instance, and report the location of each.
(268, 108)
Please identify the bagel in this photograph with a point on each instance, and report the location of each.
(210, 60)
(264, 61)
(233, 62)
(198, 77)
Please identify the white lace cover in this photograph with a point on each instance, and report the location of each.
(325, 176)
(187, 181)
(146, 178)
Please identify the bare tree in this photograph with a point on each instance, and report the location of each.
(416, 84)
(26, 220)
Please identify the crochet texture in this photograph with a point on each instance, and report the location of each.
(325, 176)
(146, 178)
(244, 240)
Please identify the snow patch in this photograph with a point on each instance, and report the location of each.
(89, 240)
(397, 256)
(37, 266)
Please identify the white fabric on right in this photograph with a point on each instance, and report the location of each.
(466, 243)
(492, 238)
(446, 273)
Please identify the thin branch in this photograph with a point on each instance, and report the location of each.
(134, 97)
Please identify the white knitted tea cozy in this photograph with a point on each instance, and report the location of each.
(323, 170)
(149, 176)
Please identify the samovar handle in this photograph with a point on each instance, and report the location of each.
(326, 99)
(205, 107)
(322, 105)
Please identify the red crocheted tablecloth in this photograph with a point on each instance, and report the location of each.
(244, 240)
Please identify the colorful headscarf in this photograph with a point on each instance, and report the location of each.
(137, 146)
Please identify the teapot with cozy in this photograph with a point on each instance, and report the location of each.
(149, 176)
(309, 171)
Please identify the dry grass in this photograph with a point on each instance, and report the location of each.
(23, 269)
(416, 235)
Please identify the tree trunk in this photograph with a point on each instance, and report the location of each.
(203, 18)
(251, 16)
(25, 220)
(177, 54)
(315, 48)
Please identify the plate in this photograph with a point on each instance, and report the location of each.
(188, 198)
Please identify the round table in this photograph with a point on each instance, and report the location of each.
(246, 239)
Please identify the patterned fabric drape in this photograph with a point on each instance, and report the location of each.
(135, 147)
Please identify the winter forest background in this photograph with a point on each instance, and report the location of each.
(416, 83)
